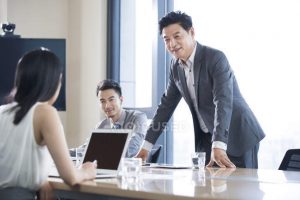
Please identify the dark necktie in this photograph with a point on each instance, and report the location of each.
(116, 126)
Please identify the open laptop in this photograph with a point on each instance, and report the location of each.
(108, 147)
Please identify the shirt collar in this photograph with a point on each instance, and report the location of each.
(120, 121)
(190, 61)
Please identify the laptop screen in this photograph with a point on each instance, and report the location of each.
(107, 146)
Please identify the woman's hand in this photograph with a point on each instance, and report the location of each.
(46, 192)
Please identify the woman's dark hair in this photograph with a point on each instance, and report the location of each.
(175, 17)
(109, 84)
(37, 78)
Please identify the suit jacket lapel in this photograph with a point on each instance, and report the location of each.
(197, 66)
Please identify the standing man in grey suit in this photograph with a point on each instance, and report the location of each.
(225, 127)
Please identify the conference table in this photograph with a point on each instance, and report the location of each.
(187, 184)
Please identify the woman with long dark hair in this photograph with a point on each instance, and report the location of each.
(30, 129)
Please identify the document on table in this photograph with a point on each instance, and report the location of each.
(167, 166)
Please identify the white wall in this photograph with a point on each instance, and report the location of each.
(83, 24)
(3, 11)
(87, 47)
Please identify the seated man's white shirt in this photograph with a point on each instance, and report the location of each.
(130, 119)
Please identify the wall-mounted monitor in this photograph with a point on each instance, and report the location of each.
(11, 50)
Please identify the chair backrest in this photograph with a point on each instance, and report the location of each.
(291, 160)
(154, 154)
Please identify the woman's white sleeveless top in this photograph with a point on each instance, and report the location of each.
(23, 163)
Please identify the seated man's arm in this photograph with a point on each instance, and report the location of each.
(138, 134)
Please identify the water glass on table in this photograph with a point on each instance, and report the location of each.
(131, 169)
(79, 155)
(198, 160)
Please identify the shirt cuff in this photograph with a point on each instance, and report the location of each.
(219, 145)
(147, 145)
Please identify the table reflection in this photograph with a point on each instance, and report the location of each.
(208, 183)
(226, 182)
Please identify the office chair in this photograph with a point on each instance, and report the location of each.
(291, 160)
(13, 193)
(154, 154)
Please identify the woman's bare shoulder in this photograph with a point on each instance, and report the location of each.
(45, 111)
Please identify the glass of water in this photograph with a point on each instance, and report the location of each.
(79, 155)
(198, 160)
(131, 169)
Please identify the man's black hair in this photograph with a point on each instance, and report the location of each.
(175, 17)
(109, 84)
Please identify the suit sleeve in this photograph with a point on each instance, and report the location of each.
(222, 77)
(165, 109)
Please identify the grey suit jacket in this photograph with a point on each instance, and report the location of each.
(221, 105)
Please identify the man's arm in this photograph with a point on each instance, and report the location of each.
(165, 109)
(139, 122)
(222, 77)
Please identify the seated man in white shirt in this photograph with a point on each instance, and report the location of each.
(110, 97)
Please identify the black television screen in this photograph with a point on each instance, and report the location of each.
(12, 49)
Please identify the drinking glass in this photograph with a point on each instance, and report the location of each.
(198, 160)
